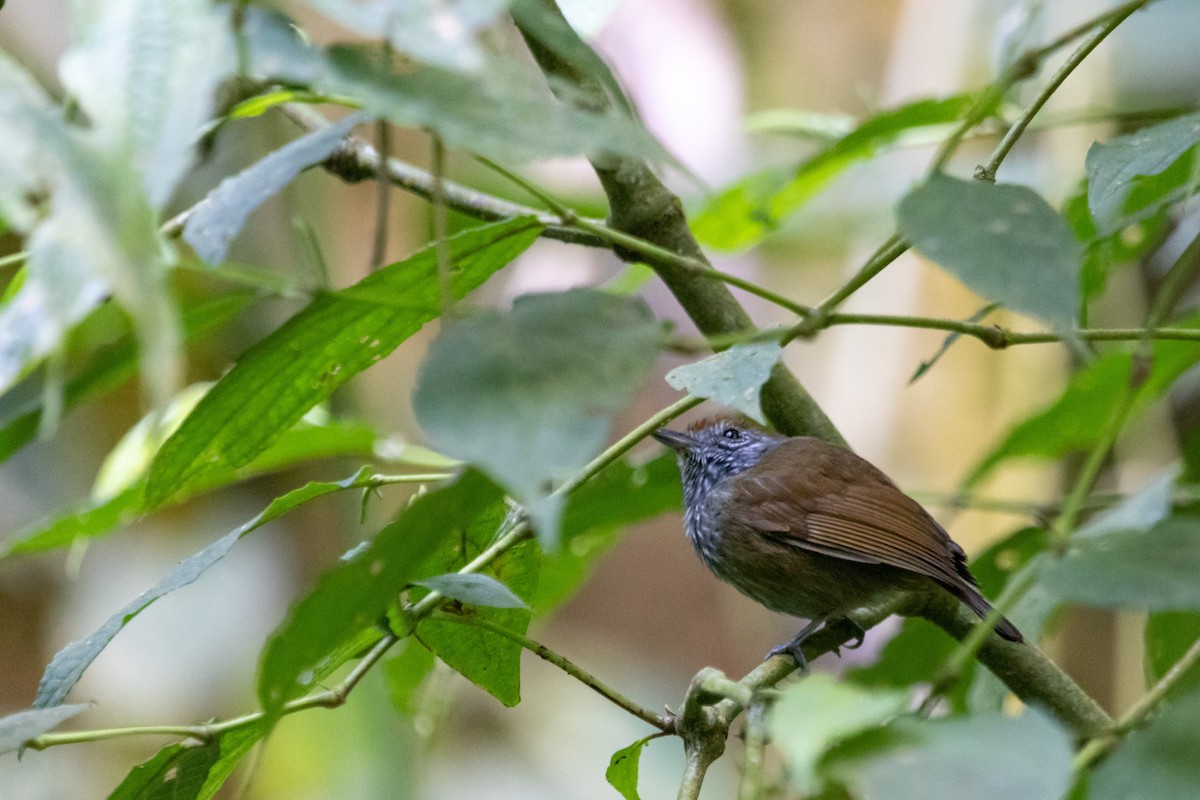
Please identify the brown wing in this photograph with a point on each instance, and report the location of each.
(822, 498)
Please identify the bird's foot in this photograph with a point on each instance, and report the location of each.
(795, 648)
(859, 635)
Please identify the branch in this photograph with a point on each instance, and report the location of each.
(356, 160)
(640, 205)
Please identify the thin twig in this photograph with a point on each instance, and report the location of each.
(383, 196)
(566, 665)
(1108, 22)
(1098, 747)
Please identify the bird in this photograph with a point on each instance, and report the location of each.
(810, 529)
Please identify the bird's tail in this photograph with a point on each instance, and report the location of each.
(976, 602)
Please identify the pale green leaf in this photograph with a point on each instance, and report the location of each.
(473, 589)
(301, 444)
(984, 757)
(1152, 570)
(219, 217)
(529, 396)
(819, 712)
(733, 378)
(1003, 241)
(445, 34)
(18, 728)
(503, 112)
(1159, 761)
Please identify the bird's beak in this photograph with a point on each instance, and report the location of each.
(674, 439)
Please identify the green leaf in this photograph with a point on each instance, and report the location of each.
(354, 594)
(139, 780)
(487, 659)
(337, 336)
(1003, 241)
(529, 396)
(503, 111)
(177, 772)
(1168, 635)
(1151, 570)
(1158, 761)
(126, 464)
(1077, 419)
(405, 673)
(216, 220)
(622, 772)
(750, 209)
(17, 729)
(1130, 245)
(68, 665)
(1113, 168)
(814, 715)
(985, 757)
(597, 513)
(303, 443)
(473, 589)
(233, 746)
(733, 378)
(108, 368)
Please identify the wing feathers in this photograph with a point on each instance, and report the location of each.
(818, 497)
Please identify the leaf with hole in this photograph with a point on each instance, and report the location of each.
(622, 772)
(733, 378)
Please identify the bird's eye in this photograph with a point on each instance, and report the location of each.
(732, 434)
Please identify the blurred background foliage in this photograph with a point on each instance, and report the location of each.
(792, 129)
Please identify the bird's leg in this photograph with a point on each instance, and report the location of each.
(793, 648)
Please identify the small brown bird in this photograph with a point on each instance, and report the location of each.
(808, 528)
